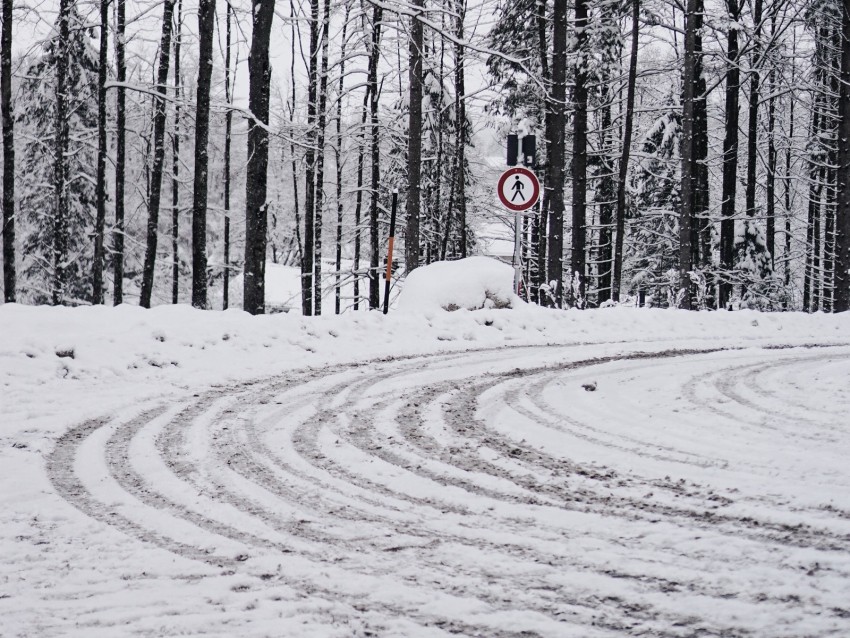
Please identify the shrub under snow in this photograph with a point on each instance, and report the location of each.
(472, 283)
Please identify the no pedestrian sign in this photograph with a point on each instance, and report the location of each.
(518, 189)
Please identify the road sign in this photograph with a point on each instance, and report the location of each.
(518, 189)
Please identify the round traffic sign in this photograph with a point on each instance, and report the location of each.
(518, 189)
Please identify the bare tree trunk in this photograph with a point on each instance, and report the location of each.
(556, 162)
(752, 125)
(701, 228)
(9, 272)
(543, 206)
(460, 126)
(730, 158)
(606, 200)
(206, 30)
(228, 129)
(787, 191)
(175, 161)
(100, 187)
(414, 141)
(256, 207)
(308, 266)
(374, 54)
(842, 228)
(60, 149)
(578, 257)
(120, 157)
(158, 156)
(831, 187)
(771, 159)
(817, 273)
(296, 37)
(358, 201)
(435, 206)
(340, 90)
(688, 204)
(810, 224)
(320, 169)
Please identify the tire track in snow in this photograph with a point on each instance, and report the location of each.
(479, 515)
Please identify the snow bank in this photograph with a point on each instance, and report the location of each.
(472, 283)
(60, 365)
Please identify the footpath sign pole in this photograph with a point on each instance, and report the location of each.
(518, 190)
(389, 274)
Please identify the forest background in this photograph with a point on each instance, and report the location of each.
(692, 154)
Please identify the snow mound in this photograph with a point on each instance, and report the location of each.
(472, 283)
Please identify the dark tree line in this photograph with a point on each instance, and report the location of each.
(710, 173)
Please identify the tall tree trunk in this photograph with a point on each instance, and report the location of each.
(752, 129)
(60, 149)
(100, 187)
(817, 247)
(435, 199)
(616, 283)
(688, 205)
(460, 126)
(228, 130)
(374, 54)
(831, 203)
(810, 272)
(338, 149)
(9, 273)
(842, 227)
(120, 156)
(256, 207)
(556, 161)
(771, 159)
(578, 257)
(295, 31)
(308, 266)
(158, 155)
(730, 157)
(786, 300)
(206, 30)
(543, 206)
(175, 161)
(358, 200)
(320, 167)
(414, 140)
(606, 197)
(701, 231)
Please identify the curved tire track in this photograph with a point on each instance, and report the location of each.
(430, 511)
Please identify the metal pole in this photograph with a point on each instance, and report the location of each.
(389, 274)
(517, 251)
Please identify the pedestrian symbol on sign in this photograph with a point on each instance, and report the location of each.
(518, 188)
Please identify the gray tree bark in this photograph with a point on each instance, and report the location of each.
(9, 271)
(206, 30)
(256, 207)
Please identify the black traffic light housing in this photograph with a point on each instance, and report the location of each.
(513, 149)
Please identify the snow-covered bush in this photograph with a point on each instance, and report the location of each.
(472, 283)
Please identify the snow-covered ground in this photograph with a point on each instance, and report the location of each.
(519, 472)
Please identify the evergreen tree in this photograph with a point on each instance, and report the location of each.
(36, 117)
(652, 255)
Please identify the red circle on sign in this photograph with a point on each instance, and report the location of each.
(535, 189)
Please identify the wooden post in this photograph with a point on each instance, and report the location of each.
(389, 274)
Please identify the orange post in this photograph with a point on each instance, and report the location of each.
(390, 253)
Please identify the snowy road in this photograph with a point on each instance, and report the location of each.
(482, 494)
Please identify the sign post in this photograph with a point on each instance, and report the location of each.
(518, 190)
(389, 272)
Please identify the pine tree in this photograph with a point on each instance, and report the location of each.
(652, 256)
(58, 226)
